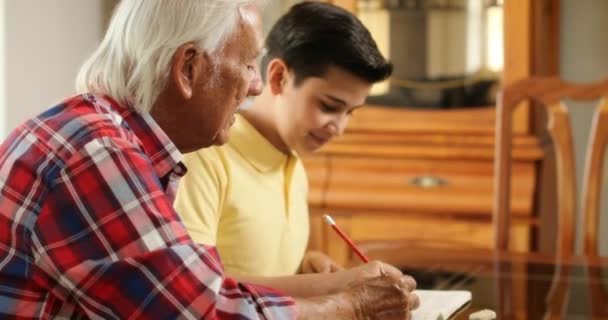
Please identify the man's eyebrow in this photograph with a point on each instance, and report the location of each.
(257, 53)
(253, 54)
(262, 52)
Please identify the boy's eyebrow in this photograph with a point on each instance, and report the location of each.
(342, 102)
(337, 100)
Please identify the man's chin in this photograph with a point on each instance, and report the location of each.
(220, 142)
(221, 138)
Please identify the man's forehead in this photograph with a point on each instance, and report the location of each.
(252, 18)
(252, 15)
(252, 28)
(243, 42)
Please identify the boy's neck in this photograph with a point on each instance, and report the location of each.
(261, 116)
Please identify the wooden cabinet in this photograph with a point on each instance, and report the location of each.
(426, 177)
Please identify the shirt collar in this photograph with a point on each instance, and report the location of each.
(154, 141)
(254, 147)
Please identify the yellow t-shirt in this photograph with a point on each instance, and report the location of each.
(249, 200)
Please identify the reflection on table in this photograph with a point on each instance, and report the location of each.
(530, 276)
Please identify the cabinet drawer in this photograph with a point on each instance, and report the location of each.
(432, 231)
(408, 185)
(376, 229)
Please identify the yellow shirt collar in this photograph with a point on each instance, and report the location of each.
(254, 147)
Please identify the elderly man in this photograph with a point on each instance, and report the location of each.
(87, 228)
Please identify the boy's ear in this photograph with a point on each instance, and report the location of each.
(185, 69)
(276, 75)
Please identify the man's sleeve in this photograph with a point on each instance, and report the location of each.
(108, 241)
(200, 196)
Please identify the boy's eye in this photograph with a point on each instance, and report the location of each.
(328, 108)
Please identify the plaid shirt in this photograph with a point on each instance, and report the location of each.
(87, 228)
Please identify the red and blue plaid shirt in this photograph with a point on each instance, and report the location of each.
(87, 228)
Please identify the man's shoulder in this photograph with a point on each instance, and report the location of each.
(69, 126)
(81, 114)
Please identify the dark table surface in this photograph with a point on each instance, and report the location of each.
(529, 276)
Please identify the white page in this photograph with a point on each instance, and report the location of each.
(439, 304)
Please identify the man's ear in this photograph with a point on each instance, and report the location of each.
(276, 75)
(185, 68)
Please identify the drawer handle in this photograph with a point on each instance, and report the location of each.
(428, 181)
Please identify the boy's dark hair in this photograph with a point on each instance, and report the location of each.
(313, 36)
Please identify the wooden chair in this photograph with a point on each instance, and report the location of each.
(548, 93)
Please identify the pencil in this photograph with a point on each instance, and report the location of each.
(342, 235)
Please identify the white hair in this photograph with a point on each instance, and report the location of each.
(133, 60)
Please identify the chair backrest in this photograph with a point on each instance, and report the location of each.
(548, 92)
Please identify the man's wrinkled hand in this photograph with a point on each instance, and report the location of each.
(374, 269)
(385, 297)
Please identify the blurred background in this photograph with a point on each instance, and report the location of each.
(42, 44)
(430, 123)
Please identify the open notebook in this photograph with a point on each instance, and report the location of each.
(440, 304)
